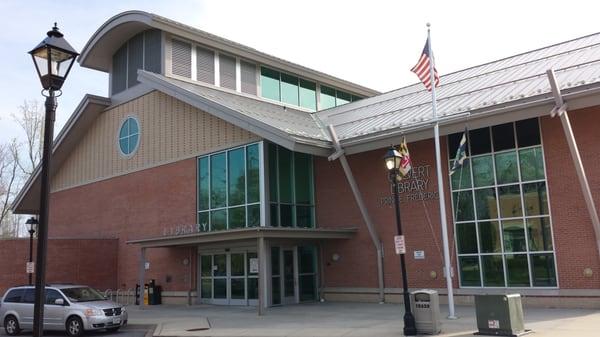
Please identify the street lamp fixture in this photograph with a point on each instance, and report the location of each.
(32, 222)
(393, 159)
(53, 59)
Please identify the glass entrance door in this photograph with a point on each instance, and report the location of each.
(229, 278)
(289, 277)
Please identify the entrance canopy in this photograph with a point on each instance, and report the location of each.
(262, 280)
(246, 234)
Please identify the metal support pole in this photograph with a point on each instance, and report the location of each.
(31, 232)
(362, 207)
(42, 244)
(262, 276)
(561, 110)
(142, 276)
(410, 328)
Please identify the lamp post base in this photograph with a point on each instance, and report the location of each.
(410, 327)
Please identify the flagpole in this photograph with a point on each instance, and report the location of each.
(440, 181)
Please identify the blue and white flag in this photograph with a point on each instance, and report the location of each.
(461, 154)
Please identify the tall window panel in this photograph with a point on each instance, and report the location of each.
(143, 51)
(500, 208)
(291, 188)
(229, 189)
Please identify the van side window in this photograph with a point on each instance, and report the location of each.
(14, 296)
(52, 295)
(29, 296)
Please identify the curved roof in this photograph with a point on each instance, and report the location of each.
(98, 51)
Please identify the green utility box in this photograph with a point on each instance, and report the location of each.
(500, 315)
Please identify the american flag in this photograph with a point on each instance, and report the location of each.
(422, 68)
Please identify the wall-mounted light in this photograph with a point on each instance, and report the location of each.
(335, 257)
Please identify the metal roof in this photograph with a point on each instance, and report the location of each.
(271, 120)
(475, 90)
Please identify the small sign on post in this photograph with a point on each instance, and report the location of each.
(399, 244)
(30, 267)
(254, 265)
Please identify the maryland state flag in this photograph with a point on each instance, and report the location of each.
(405, 163)
(461, 154)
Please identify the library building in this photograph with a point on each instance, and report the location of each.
(230, 176)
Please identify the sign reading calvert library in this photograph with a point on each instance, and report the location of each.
(414, 187)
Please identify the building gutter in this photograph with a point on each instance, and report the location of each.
(339, 154)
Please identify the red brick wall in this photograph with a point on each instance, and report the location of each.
(335, 207)
(130, 207)
(141, 204)
(84, 261)
(573, 232)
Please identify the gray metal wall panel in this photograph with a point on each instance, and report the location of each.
(248, 77)
(119, 70)
(205, 65)
(181, 58)
(135, 58)
(152, 50)
(227, 71)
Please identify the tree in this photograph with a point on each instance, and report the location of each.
(18, 161)
(31, 119)
(9, 179)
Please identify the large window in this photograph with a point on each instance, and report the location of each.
(228, 189)
(293, 90)
(141, 52)
(331, 97)
(290, 188)
(499, 199)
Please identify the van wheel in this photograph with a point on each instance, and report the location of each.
(11, 326)
(74, 326)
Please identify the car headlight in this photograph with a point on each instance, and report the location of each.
(93, 312)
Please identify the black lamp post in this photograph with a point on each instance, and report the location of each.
(53, 59)
(392, 163)
(32, 222)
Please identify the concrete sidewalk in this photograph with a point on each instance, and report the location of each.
(341, 319)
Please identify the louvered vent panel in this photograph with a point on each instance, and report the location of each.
(227, 71)
(181, 58)
(205, 65)
(248, 74)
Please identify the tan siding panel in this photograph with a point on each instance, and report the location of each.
(171, 130)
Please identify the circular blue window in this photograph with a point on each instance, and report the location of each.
(129, 136)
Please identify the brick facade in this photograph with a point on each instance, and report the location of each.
(134, 206)
(142, 204)
(357, 267)
(84, 261)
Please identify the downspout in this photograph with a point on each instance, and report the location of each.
(339, 154)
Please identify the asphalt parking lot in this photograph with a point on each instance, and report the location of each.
(128, 331)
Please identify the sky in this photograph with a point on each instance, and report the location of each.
(373, 43)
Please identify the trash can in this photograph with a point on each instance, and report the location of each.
(499, 315)
(157, 296)
(425, 305)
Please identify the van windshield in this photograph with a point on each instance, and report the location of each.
(82, 294)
